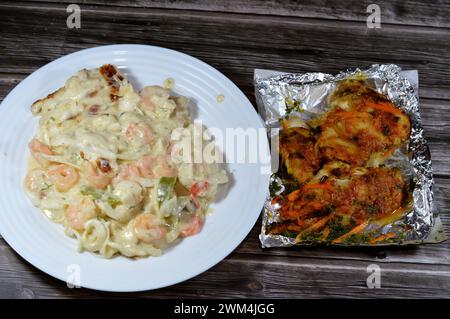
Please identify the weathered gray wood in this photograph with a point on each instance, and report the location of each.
(252, 276)
(8, 82)
(34, 35)
(412, 12)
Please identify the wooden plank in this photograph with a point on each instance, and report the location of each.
(236, 46)
(243, 276)
(8, 82)
(411, 12)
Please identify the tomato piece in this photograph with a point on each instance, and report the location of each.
(199, 188)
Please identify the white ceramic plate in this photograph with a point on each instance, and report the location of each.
(43, 243)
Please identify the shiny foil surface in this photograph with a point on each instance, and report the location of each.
(272, 89)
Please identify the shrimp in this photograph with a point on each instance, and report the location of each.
(145, 166)
(164, 167)
(99, 176)
(127, 172)
(38, 149)
(63, 176)
(78, 214)
(148, 167)
(148, 229)
(152, 91)
(139, 133)
(154, 167)
(193, 226)
(198, 189)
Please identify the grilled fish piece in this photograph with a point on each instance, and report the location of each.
(363, 128)
(298, 153)
(340, 192)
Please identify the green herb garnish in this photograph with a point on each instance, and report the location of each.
(46, 187)
(289, 187)
(311, 236)
(289, 234)
(316, 130)
(274, 188)
(337, 228)
(91, 191)
(113, 201)
(292, 105)
(371, 209)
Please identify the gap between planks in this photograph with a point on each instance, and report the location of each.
(391, 12)
(230, 48)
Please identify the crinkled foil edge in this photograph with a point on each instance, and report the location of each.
(271, 89)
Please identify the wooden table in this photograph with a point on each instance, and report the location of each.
(236, 37)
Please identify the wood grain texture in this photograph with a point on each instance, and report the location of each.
(252, 276)
(236, 37)
(411, 12)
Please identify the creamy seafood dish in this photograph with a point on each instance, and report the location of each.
(102, 165)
